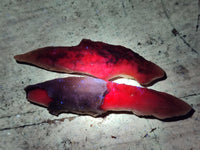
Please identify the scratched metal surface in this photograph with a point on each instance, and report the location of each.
(162, 31)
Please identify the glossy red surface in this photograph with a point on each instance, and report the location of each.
(143, 101)
(97, 59)
(39, 96)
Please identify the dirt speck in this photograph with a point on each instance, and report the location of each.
(182, 71)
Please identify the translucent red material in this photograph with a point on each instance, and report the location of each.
(143, 101)
(87, 95)
(97, 59)
(39, 96)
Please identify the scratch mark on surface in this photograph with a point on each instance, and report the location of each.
(156, 138)
(22, 126)
(152, 130)
(39, 123)
(194, 94)
(147, 134)
(21, 114)
(198, 18)
(174, 29)
(124, 9)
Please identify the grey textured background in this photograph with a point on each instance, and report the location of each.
(144, 26)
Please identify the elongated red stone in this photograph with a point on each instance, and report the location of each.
(87, 95)
(97, 59)
(143, 101)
